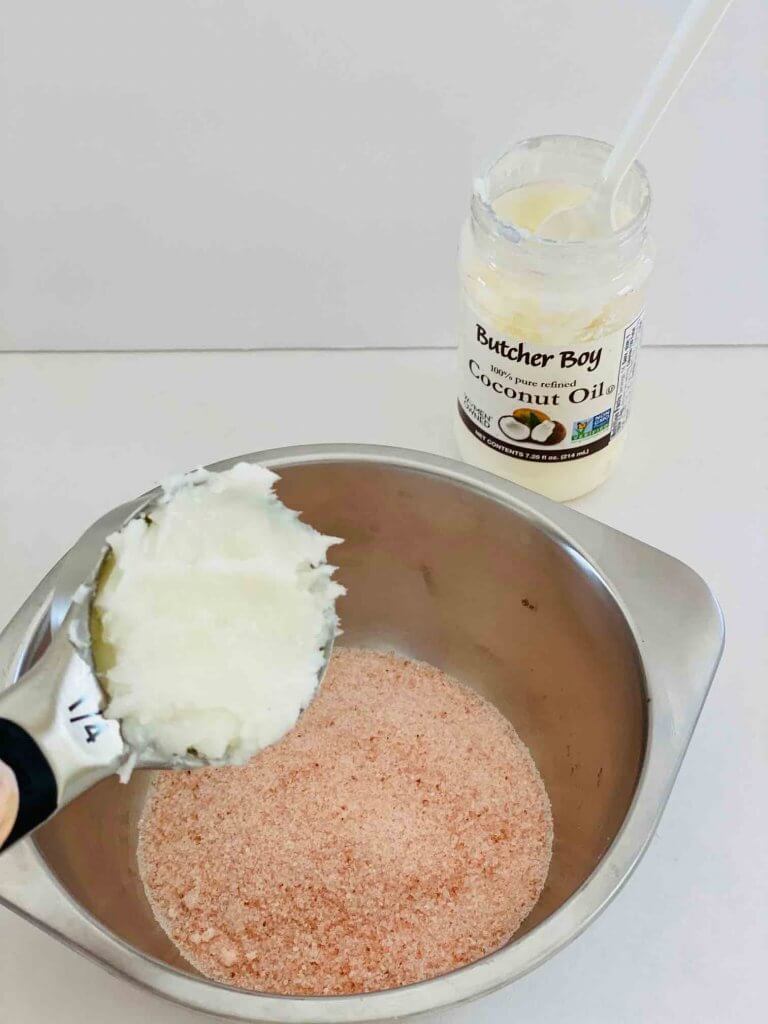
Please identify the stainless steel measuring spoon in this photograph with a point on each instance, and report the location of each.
(55, 741)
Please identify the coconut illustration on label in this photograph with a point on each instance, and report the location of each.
(549, 432)
(532, 425)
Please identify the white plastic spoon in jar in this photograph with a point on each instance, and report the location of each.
(595, 216)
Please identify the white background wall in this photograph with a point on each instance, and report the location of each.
(184, 174)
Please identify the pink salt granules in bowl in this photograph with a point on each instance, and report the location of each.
(399, 831)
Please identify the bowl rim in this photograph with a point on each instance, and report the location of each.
(677, 660)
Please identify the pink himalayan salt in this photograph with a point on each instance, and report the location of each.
(399, 831)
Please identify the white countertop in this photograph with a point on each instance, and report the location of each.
(687, 939)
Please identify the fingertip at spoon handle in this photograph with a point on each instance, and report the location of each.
(9, 801)
(28, 789)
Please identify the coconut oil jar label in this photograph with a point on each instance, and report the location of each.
(545, 403)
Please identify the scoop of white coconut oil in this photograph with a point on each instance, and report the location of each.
(211, 616)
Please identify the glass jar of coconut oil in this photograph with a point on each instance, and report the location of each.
(550, 327)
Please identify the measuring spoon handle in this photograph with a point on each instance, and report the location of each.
(54, 740)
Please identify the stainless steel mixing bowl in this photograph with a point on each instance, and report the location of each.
(599, 648)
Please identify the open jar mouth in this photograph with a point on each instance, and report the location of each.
(572, 160)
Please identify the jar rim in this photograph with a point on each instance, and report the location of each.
(484, 212)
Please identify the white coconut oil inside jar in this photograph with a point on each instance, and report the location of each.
(550, 328)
